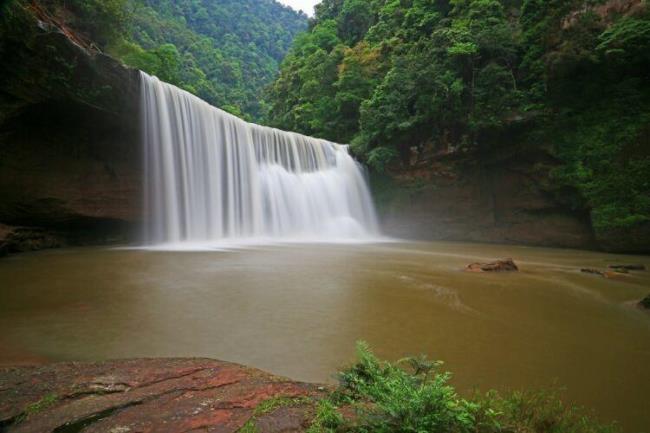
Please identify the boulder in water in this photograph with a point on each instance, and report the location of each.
(592, 271)
(505, 265)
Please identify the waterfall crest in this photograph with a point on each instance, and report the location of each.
(210, 176)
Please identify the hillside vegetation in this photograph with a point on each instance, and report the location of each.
(397, 77)
(224, 51)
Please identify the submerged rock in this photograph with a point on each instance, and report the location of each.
(645, 303)
(635, 267)
(153, 395)
(505, 265)
(604, 274)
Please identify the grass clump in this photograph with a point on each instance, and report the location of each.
(414, 396)
(269, 406)
(32, 409)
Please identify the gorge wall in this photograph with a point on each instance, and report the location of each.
(501, 202)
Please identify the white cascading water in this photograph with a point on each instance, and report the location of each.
(212, 177)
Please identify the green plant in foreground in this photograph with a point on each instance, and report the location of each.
(387, 398)
(39, 406)
(328, 418)
(417, 401)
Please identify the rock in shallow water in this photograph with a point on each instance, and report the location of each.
(22, 239)
(605, 274)
(505, 265)
(635, 267)
(592, 271)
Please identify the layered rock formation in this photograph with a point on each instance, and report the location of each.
(489, 197)
(153, 395)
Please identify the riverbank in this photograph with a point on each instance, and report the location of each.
(183, 395)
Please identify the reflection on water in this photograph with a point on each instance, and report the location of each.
(297, 311)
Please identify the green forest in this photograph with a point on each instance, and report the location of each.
(395, 77)
(471, 75)
(224, 51)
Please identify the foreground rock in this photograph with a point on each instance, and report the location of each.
(506, 265)
(152, 395)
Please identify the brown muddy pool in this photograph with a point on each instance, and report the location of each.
(297, 310)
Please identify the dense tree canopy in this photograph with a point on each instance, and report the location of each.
(225, 51)
(478, 76)
(389, 75)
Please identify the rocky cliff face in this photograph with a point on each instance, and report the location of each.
(489, 196)
(69, 151)
(479, 198)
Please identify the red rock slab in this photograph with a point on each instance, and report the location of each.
(146, 395)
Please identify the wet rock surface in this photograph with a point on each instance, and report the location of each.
(152, 395)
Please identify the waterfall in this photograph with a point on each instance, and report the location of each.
(212, 177)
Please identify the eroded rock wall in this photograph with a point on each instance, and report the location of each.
(69, 139)
(461, 199)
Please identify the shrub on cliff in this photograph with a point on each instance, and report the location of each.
(102, 19)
